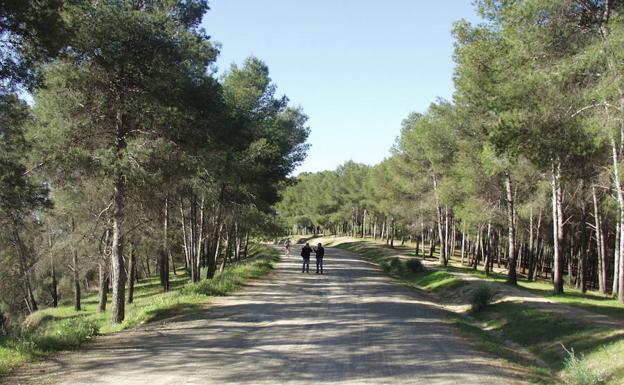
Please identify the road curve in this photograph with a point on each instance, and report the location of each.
(352, 325)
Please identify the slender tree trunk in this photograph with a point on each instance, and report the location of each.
(512, 276)
(217, 250)
(119, 279)
(193, 239)
(616, 259)
(558, 257)
(621, 272)
(452, 242)
(431, 243)
(446, 234)
(530, 253)
(239, 240)
(102, 286)
(600, 245)
(363, 223)
(477, 250)
(583, 250)
(187, 255)
(487, 250)
(75, 273)
(164, 253)
(538, 247)
(442, 236)
(228, 249)
(422, 236)
(463, 245)
(200, 237)
(53, 271)
(131, 275)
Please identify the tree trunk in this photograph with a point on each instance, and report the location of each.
(463, 245)
(600, 245)
(422, 236)
(487, 251)
(446, 234)
(616, 259)
(558, 257)
(119, 280)
(475, 261)
(200, 238)
(217, 250)
(74, 269)
(187, 254)
(584, 246)
(75, 278)
(530, 253)
(431, 243)
(53, 271)
(131, 275)
(363, 223)
(512, 276)
(441, 235)
(102, 286)
(164, 253)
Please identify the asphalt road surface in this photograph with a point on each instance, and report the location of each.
(352, 325)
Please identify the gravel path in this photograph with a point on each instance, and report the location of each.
(352, 325)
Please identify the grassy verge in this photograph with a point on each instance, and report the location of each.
(509, 329)
(63, 328)
(591, 301)
(548, 336)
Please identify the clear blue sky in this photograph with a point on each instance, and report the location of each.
(357, 67)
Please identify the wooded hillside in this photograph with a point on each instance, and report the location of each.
(135, 157)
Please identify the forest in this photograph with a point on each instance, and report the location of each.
(522, 168)
(124, 154)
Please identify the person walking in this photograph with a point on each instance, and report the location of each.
(305, 253)
(287, 247)
(320, 253)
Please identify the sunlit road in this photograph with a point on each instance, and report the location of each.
(352, 325)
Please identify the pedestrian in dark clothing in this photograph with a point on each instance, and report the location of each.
(320, 253)
(305, 253)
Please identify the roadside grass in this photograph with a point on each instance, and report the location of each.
(548, 336)
(63, 328)
(489, 343)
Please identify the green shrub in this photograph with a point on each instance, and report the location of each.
(415, 266)
(393, 266)
(66, 334)
(481, 297)
(576, 372)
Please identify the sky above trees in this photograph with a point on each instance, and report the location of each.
(357, 66)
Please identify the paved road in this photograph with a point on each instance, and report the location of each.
(352, 325)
